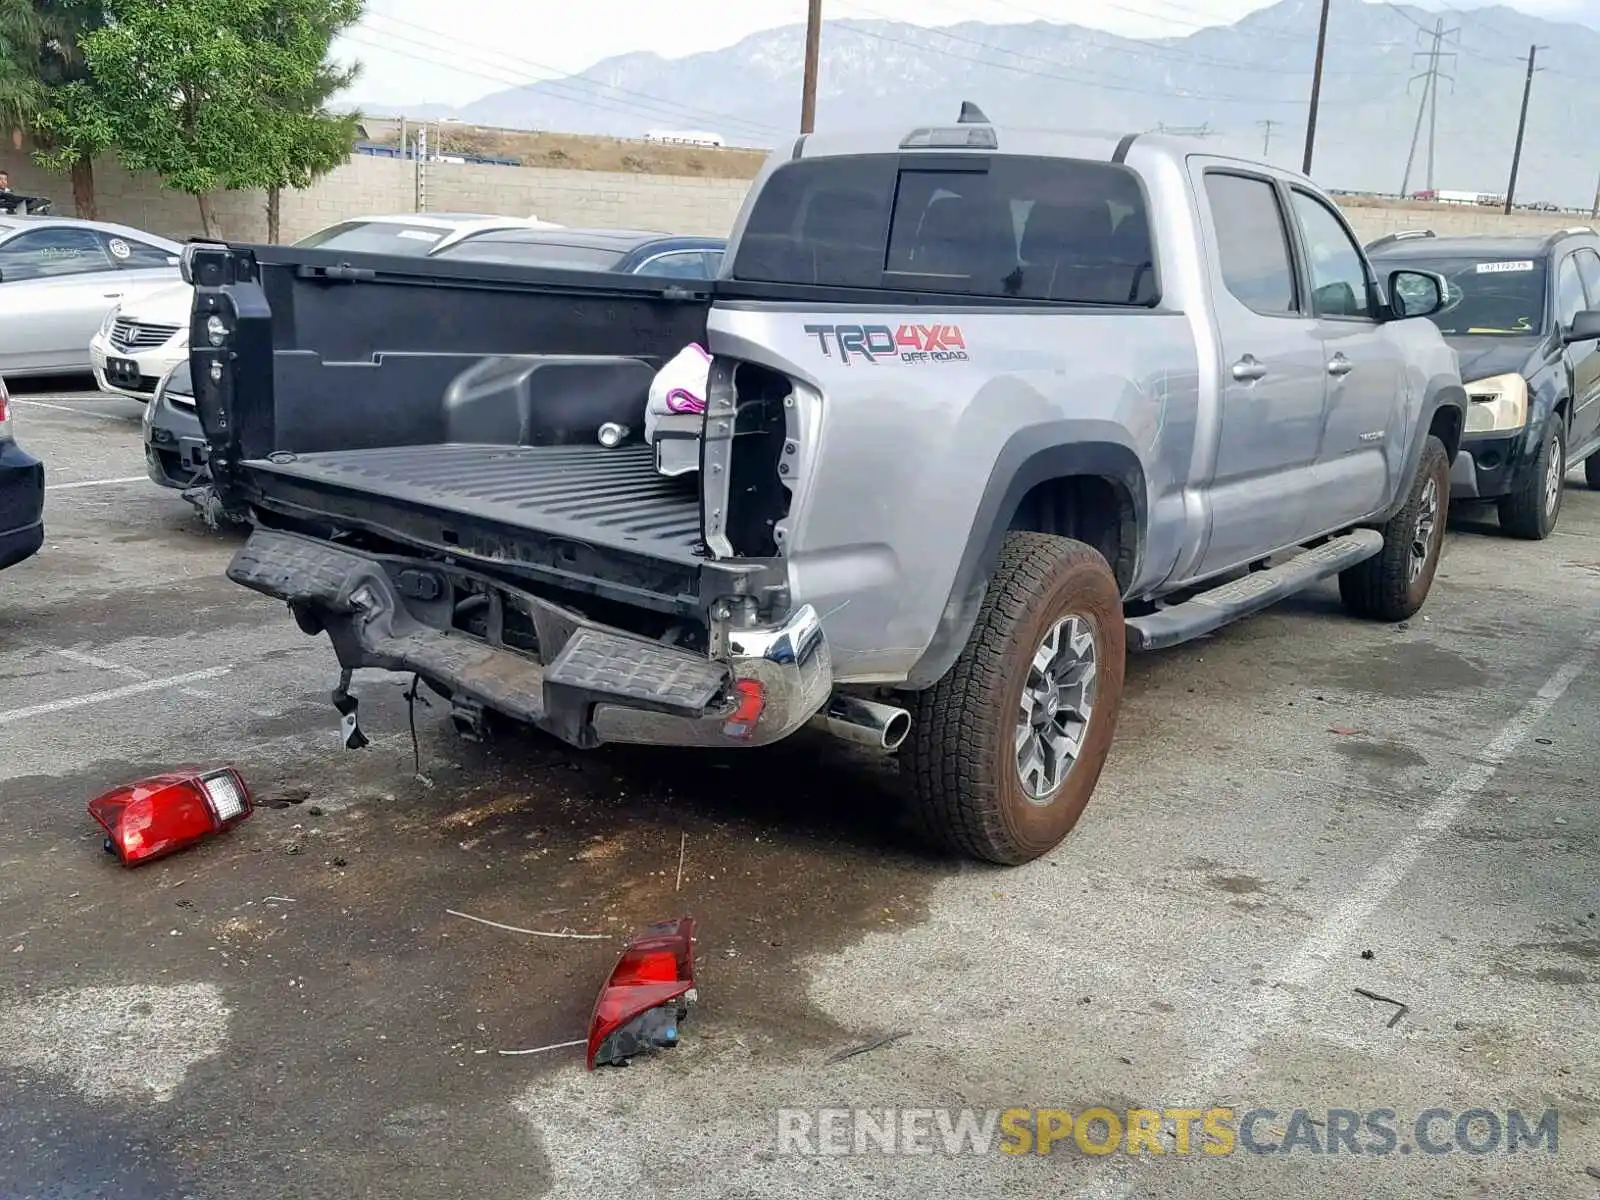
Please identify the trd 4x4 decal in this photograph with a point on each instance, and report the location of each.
(907, 343)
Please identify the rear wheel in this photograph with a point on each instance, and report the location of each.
(1007, 748)
(1391, 585)
(1531, 511)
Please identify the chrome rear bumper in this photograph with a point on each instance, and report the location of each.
(588, 684)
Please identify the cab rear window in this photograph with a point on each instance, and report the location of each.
(1065, 230)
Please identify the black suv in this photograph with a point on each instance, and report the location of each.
(1523, 314)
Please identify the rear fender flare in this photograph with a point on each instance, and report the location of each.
(1033, 455)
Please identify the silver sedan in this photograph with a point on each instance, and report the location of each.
(59, 277)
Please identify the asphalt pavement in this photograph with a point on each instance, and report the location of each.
(1299, 807)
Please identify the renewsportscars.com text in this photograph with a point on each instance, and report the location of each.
(1348, 1132)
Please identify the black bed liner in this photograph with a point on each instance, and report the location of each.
(581, 517)
(588, 493)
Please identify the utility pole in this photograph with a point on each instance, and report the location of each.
(1594, 213)
(422, 169)
(1316, 88)
(1430, 97)
(1266, 135)
(1522, 125)
(808, 88)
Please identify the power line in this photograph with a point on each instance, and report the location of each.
(1080, 78)
(560, 84)
(1144, 50)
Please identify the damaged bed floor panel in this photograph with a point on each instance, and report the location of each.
(289, 1010)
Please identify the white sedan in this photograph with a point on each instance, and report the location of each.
(58, 279)
(145, 336)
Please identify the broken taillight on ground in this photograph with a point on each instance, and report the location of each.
(648, 994)
(157, 816)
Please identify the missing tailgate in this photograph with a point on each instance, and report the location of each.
(752, 459)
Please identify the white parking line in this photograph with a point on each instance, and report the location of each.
(106, 664)
(132, 689)
(87, 412)
(83, 483)
(1236, 1038)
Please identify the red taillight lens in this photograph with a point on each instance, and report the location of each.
(165, 813)
(648, 993)
(750, 698)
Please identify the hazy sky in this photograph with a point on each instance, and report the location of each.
(421, 51)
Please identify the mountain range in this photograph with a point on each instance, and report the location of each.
(1244, 87)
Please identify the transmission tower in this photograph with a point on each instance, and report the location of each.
(1429, 103)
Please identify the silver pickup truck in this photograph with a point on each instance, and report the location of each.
(987, 409)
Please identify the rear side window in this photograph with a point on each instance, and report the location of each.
(126, 252)
(376, 237)
(1252, 242)
(526, 253)
(1026, 228)
(54, 250)
(1569, 293)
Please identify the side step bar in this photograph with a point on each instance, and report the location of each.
(1210, 611)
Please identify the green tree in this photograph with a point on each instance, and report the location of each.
(41, 54)
(169, 85)
(212, 94)
(21, 94)
(299, 138)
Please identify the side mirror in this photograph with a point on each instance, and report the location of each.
(1585, 327)
(1416, 293)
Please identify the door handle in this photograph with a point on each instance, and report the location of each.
(1248, 369)
(1340, 366)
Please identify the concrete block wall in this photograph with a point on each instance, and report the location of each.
(367, 185)
(1447, 221)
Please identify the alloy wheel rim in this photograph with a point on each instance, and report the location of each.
(1057, 705)
(1427, 524)
(1554, 476)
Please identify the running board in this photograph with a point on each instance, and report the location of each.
(1210, 611)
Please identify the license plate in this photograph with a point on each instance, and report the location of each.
(122, 370)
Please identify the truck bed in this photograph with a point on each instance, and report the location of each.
(586, 494)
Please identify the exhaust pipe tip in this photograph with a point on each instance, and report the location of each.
(896, 730)
(881, 727)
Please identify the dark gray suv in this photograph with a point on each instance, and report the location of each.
(1523, 316)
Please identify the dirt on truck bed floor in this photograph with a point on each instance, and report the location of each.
(1299, 807)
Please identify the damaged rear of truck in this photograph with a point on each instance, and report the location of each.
(967, 410)
(447, 510)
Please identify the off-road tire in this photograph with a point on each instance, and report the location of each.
(1381, 588)
(1591, 471)
(967, 794)
(1530, 512)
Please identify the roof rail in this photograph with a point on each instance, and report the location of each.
(1571, 231)
(1403, 235)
